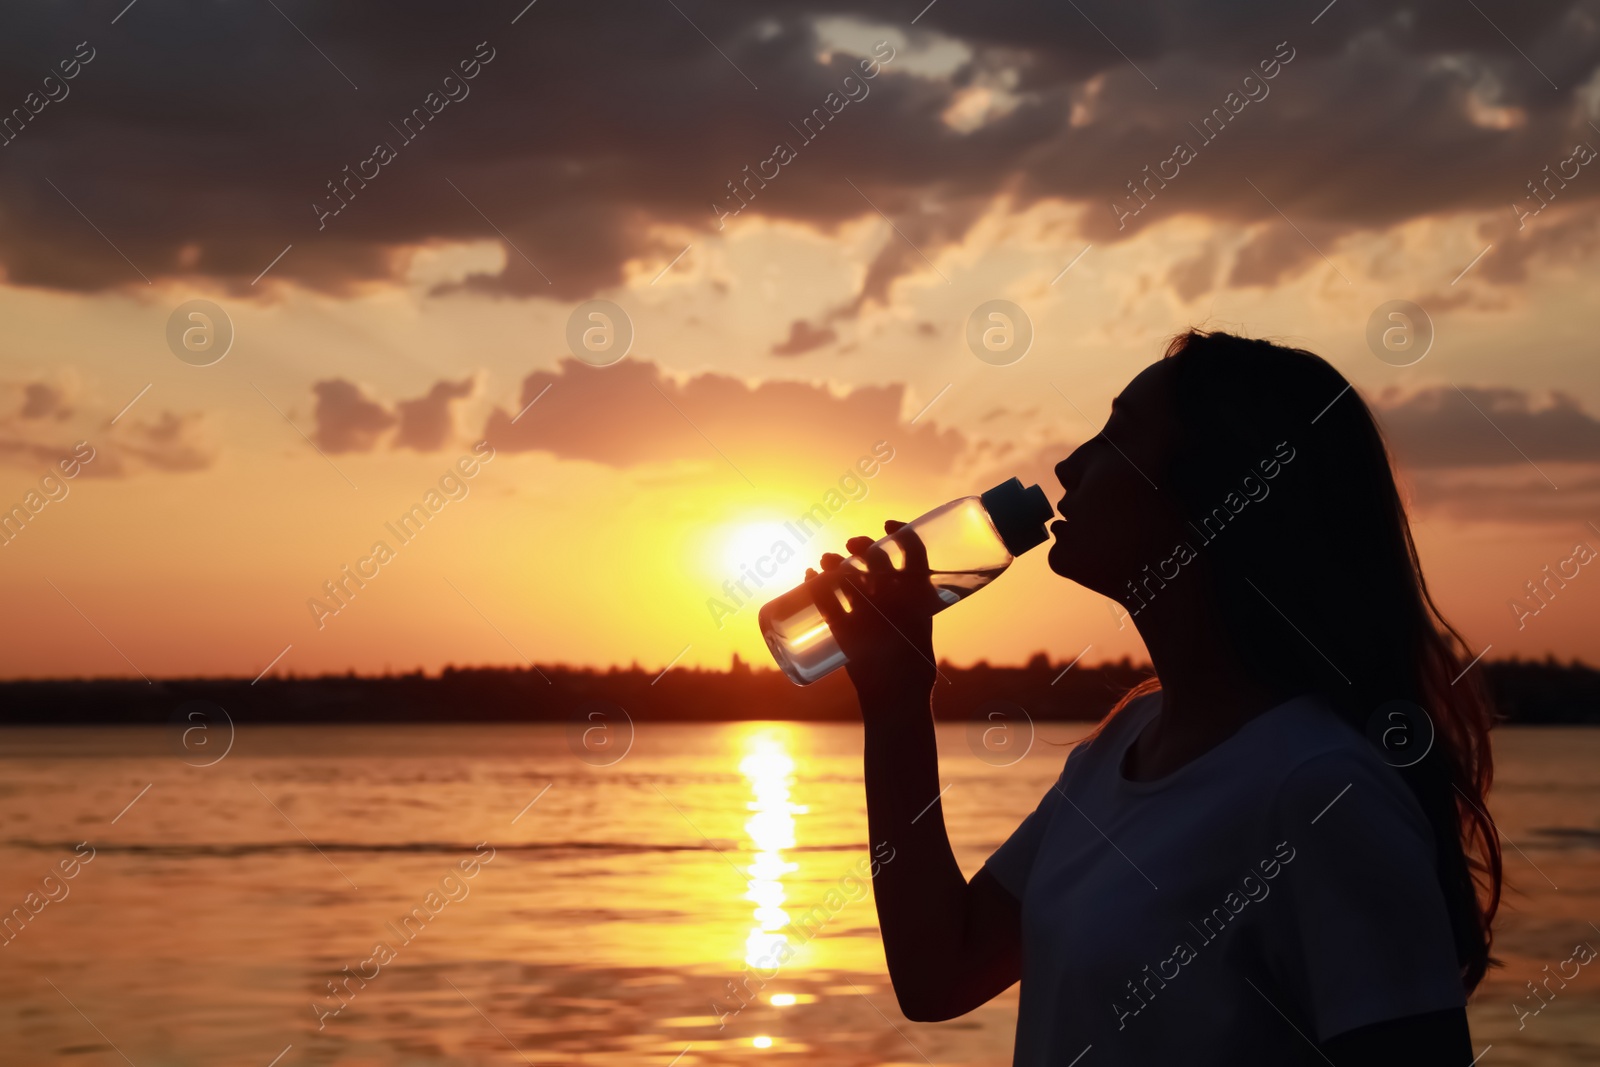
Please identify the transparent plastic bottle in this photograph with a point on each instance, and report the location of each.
(970, 541)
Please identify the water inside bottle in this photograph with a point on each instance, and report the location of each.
(801, 641)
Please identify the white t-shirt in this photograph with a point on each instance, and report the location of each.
(1275, 891)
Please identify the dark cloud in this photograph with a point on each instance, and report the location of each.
(46, 431)
(1273, 253)
(427, 424)
(630, 414)
(347, 419)
(1471, 426)
(803, 337)
(1194, 276)
(1567, 233)
(350, 420)
(41, 400)
(197, 145)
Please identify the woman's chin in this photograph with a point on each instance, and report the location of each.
(1070, 563)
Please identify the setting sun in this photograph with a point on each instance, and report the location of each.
(766, 555)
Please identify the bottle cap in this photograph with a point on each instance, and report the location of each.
(1019, 514)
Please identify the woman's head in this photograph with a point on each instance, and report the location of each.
(1251, 478)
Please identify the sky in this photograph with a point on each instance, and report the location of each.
(271, 276)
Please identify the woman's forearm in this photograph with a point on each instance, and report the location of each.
(921, 893)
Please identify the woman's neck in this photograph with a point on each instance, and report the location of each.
(1207, 692)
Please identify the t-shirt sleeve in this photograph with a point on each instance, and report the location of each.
(1013, 860)
(1365, 935)
(1011, 863)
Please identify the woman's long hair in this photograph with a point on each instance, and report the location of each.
(1329, 549)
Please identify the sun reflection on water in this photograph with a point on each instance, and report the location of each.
(770, 770)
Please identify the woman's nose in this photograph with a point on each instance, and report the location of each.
(1065, 471)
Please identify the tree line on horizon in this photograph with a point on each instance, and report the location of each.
(1526, 691)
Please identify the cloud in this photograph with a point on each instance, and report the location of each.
(1480, 426)
(347, 419)
(171, 443)
(1509, 496)
(804, 337)
(197, 157)
(41, 400)
(45, 430)
(1195, 276)
(1272, 253)
(631, 415)
(1566, 233)
(427, 424)
(350, 420)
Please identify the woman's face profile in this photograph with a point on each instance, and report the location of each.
(1118, 515)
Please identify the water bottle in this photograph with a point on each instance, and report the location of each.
(970, 541)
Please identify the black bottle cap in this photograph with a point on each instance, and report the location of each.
(1019, 514)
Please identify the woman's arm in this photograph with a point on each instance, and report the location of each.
(950, 945)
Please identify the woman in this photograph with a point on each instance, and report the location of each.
(1275, 851)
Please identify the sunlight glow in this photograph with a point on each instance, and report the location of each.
(765, 554)
(769, 767)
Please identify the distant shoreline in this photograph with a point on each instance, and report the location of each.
(1531, 692)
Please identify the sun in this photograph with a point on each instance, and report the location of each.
(756, 549)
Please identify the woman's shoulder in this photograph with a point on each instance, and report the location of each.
(1119, 725)
(1322, 760)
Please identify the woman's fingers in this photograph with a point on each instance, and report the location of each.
(916, 552)
(825, 596)
(877, 563)
(836, 583)
(857, 546)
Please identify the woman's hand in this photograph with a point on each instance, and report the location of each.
(887, 632)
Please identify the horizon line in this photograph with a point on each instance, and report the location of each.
(736, 665)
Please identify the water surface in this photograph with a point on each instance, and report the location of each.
(610, 913)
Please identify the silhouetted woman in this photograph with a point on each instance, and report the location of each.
(1275, 852)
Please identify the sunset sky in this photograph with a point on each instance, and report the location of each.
(542, 156)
